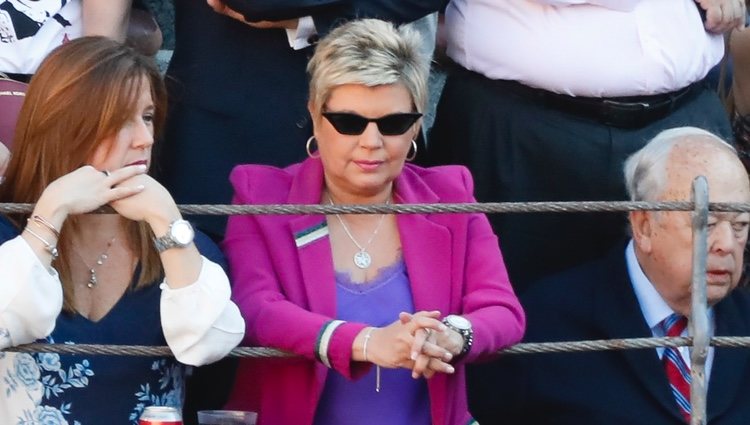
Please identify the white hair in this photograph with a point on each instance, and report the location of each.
(646, 170)
(370, 52)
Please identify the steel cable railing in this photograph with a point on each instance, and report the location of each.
(699, 341)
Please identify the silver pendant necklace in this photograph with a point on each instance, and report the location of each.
(362, 258)
(100, 260)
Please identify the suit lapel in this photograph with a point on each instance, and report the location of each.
(316, 263)
(620, 317)
(427, 247)
(310, 233)
(728, 369)
(426, 244)
(427, 254)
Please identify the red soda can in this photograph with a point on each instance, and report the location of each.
(160, 415)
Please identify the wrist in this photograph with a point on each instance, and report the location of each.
(53, 212)
(362, 343)
(462, 326)
(160, 223)
(179, 234)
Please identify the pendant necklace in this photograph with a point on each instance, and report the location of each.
(362, 258)
(100, 260)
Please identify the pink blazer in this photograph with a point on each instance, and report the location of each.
(287, 293)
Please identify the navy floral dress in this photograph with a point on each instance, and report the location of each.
(53, 389)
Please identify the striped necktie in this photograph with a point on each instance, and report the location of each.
(678, 372)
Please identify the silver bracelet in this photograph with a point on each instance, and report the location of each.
(367, 338)
(43, 223)
(364, 354)
(52, 249)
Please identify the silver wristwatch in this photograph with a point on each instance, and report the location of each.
(463, 326)
(179, 235)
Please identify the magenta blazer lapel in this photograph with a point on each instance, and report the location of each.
(310, 233)
(426, 245)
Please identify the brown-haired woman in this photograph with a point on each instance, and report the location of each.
(83, 140)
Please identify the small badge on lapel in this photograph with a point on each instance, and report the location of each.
(311, 234)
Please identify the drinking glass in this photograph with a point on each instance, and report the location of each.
(226, 417)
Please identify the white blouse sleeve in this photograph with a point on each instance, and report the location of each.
(30, 295)
(201, 324)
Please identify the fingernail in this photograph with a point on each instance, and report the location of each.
(140, 187)
(413, 355)
(443, 328)
(450, 369)
(448, 356)
(414, 375)
(142, 167)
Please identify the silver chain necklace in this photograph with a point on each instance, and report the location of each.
(100, 260)
(362, 258)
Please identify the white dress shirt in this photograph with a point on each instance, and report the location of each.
(594, 48)
(299, 37)
(655, 309)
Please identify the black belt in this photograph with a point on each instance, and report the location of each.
(621, 112)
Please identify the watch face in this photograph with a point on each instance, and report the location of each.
(182, 232)
(459, 322)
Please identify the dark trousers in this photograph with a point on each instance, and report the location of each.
(519, 150)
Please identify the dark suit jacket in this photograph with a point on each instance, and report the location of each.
(239, 95)
(596, 301)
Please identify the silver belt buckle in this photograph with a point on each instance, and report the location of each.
(633, 106)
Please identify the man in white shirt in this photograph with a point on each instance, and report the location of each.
(641, 292)
(548, 97)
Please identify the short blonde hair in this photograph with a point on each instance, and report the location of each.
(370, 52)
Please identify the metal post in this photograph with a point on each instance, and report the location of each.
(699, 309)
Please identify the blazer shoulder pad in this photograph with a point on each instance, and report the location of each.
(261, 184)
(452, 183)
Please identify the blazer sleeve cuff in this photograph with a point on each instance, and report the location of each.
(333, 347)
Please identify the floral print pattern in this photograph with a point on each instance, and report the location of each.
(169, 392)
(43, 386)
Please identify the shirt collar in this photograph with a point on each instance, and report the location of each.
(653, 306)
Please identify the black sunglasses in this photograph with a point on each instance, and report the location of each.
(389, 125)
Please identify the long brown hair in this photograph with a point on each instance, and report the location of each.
(83, 92)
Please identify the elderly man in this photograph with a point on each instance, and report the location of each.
(642, 290)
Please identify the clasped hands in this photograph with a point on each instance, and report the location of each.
(419, 342)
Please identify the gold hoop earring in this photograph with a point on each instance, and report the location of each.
(414, 155)
(309, 143)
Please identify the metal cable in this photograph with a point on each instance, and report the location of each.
(487, 207)
(523, 348)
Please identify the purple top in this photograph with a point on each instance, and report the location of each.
(401, 400)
